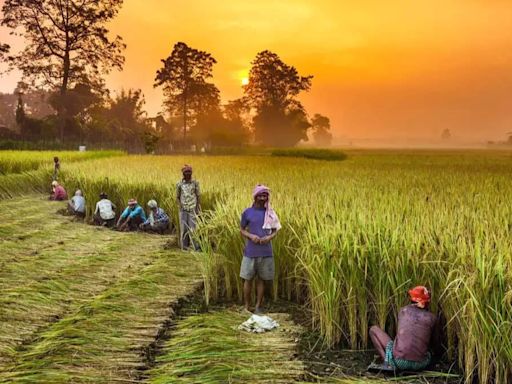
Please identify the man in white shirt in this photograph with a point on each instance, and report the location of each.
(77, 204)
(105, 214)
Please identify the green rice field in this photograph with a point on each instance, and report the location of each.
(84, 304)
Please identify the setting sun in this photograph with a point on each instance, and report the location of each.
(245, 81)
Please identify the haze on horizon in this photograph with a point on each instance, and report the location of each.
(393, 70)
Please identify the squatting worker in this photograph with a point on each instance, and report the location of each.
(132, 217)
(76, 204)
(259, 225)
(157, 220)
(58, 192)
(187, 195)
(105, 214)
(409, 351)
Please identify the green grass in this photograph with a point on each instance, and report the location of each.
(23, 161)
(313, 153)
(356, 234)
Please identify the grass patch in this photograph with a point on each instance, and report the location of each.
(316, 154)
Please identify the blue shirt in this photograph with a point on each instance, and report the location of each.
(159, 217)
(137, 211)
(252, 219)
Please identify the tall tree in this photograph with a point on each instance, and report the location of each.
(184, 78)
(321, 126)
(67, 43)
(4, 49)
(272, 90)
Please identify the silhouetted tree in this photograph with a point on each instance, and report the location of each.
(272, 90)
(67, 43)
(4, 49)
(184, 78)
(446, 134)
(321, 127)
(20, 111)
(237, 115)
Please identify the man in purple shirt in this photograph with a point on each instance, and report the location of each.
(259, 225)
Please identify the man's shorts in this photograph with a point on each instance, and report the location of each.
(263, 267)
(405, 365)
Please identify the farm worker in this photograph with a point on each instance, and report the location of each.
(187, 195)
(58, 192)
(157, 221)
(104, 214)
(409, 351)
(259, 225)
(56, 168)
(132, 217)
(77, 204)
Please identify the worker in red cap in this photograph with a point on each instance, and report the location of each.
(409, 351)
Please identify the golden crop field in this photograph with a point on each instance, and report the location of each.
(356, 235)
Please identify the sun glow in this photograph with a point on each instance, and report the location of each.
(245, 81)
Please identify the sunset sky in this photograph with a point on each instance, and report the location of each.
(399, 69)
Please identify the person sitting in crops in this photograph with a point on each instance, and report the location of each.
(132, 217)
(157, 221)
(76, 205)
(104, 213)
(409, 351)
(259, 225)
(58, 192)
(187, 195)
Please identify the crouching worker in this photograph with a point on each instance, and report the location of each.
(259, 225)
(104, 214)
(157, 221)
(409, 351)
(58, 192)
(132, 217)
(76, 205)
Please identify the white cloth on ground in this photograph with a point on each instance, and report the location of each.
(258, 324)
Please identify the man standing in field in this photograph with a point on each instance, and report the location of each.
(409, 351)
(187, 195)
(132, 217)
(259, 225)
(56, 168)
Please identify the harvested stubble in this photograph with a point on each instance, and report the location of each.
(208, 348)
(78, 303)
(356, 235)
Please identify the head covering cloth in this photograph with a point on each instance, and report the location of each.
(420, 296)
(132, 202)
(271, 220)
(186, 168)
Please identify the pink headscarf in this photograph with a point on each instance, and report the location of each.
(271, 220)
(186, 167)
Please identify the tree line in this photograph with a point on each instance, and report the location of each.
(63, 96)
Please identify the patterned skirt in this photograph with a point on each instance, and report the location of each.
(405, 365)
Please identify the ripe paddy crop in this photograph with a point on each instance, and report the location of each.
(356, 235)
